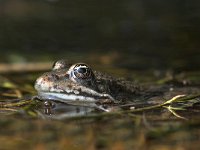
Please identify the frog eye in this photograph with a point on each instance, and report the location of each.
(82, 71)
(60, 64)
(81, 74)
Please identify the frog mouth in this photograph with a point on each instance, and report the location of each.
(67, 97)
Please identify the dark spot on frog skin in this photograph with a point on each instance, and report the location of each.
(55, 86)
(55, 77)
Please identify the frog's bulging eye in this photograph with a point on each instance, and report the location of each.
(60, 64)
(81, 74)
(82, 71)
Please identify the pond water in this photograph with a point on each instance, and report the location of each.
(153, 43)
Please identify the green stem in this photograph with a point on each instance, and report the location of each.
(17, 104)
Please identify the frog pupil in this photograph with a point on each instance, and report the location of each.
(82, 70)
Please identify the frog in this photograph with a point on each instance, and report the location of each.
(79, 83)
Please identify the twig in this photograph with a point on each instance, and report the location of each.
(24, 67)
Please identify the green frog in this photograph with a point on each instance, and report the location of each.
(78, 83)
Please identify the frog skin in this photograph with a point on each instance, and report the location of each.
(79, 83)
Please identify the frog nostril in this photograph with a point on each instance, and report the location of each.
(56, 77)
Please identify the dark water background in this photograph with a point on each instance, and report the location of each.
(144, 34)
(117, 36)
